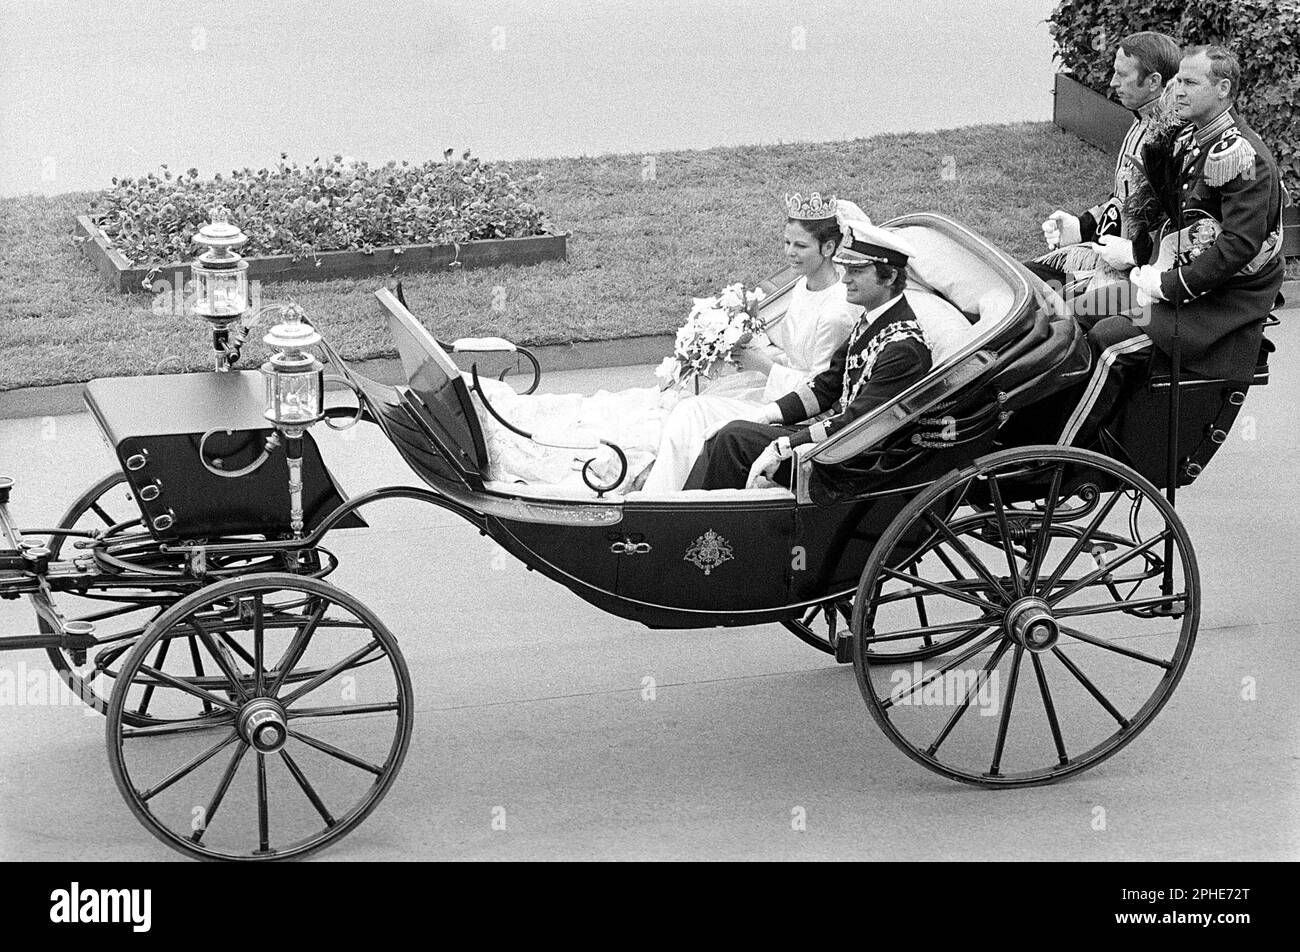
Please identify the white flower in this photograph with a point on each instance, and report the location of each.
(730, 335)
(732, 298)
(668, 370)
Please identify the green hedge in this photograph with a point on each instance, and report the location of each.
(1265, 35)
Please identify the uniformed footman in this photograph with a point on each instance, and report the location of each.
(1218, 254)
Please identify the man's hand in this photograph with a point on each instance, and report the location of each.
(1147, 281)
(1116, 252)
(765, 465)
(1061, 228)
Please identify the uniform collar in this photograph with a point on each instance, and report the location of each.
(1214, 128)
(869, 318)
(1144, 111)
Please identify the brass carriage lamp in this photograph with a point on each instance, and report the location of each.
(295, 395)
(295, 379)
(220, 281)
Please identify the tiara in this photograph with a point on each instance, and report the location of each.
(813, 208)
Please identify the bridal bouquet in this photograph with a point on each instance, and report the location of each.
(715, 325)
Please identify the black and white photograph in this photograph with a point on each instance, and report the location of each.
(624, 431)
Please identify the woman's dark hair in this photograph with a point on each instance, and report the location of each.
(822, 229)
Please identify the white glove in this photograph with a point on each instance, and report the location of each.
(1147, 280)
(1061, 228)
(1117, 252)
(765, 465)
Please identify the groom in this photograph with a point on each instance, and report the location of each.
(885, 354)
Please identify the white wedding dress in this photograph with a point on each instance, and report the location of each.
(812, 329)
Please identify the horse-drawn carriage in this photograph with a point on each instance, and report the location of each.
(1015, 611)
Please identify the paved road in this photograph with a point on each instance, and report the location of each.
(530, 701)
(92, 89)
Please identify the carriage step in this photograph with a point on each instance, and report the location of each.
(844, 649)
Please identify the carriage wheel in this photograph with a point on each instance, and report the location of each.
(1068, 626)
(290, 744)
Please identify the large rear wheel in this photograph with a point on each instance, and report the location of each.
(1065, 592)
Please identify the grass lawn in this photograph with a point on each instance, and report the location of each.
(639, 250)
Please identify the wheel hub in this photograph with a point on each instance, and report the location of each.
(1029, 622)
(263, 725)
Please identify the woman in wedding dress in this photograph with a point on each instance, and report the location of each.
(798, 346)
(664, 428)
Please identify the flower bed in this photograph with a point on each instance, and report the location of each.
(323, 220)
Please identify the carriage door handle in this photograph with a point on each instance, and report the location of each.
(630, 546)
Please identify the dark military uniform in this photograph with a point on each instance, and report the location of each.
(879, 361)
(1223, 189)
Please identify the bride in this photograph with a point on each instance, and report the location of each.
(798, 346)
(660, 432)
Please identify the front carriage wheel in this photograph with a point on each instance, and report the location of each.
(1064, 589)
(292, 740)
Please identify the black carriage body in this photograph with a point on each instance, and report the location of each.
(155, 426)
(733, 558)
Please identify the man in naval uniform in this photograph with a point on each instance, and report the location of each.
(884, 355)
(1219, 255)
(1144, 63)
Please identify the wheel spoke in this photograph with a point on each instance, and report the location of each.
(329, 673)
(297, 646)
(100, 511)
(221, 655)
(342, 710)
(966, 655)
(197, 661)
(1091, 688)
(333, 751)
(1044, 536)
(1109, 646)
(1098, 518)
(931, 630)
(189, 767)
(188, 726)
(220, 793)
(1050, 708)
(180, 685)
(995, 492)
(967, 556)
(308, 789)
(1106, 569)
(1005, 720)
(936, 587)
(158, 661)
(965, 702)
(258, 649)
(1122, 605)
(263, 810)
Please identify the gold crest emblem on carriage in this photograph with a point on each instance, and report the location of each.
(709, 551)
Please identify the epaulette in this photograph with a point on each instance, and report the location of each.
(1229, 157)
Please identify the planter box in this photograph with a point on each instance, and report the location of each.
(124, 277)
(1102, 122)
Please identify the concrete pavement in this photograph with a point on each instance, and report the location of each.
(530, 703)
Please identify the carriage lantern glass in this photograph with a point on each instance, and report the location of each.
(220, 274)
(221, 285)
(295, 380)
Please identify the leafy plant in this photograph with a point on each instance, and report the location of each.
(301, 210)
(1265, 35)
